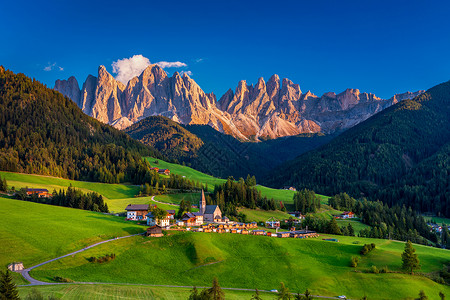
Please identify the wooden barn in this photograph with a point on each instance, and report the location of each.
(154, 231)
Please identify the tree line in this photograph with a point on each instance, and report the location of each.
(71, 197)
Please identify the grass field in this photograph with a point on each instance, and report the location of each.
(176, 198)
(356, 224)
(245, 262)
(115, 291)
(109, 191)
(283, 195)
(259, 215)
(32, 232)
(439, 221)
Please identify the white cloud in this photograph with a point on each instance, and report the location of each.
(128, 68)
(171, 64)
(52, 66)
(199, 60)
(189, 73)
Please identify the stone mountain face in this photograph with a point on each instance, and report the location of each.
(269, 110)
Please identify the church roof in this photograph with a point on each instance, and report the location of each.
(210, 209)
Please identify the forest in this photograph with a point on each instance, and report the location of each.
(398, 156)
(43, 132)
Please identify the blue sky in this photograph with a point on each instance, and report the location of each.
(384, 47)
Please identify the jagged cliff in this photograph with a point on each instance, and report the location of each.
(269, 110)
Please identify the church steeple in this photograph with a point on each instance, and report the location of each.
(202, 204)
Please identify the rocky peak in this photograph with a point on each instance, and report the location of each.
(69, 88)
(273, 86)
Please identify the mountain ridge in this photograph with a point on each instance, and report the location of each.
(271, 109)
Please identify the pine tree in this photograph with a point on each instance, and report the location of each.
(308, 295)
(194, 294)
(284, 294)
(8, 289)
(333, 227)
(441, 294)
(409, 258)
(256, 296)
(215, 291)
(422, 296)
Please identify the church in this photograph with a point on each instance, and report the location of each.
(211, 213)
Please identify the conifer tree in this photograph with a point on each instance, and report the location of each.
(215, 291)
(422, 296)
(410, 258)
(441, 294)
(8, 289)
(256, 296)
(284, 293)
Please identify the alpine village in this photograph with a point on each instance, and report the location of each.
(149, 150)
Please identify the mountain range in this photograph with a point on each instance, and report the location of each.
(266, 110)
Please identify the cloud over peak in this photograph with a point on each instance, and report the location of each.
(52, 66)
(127, 68)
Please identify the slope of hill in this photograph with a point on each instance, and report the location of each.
(218, 154)
(187, 258)
(264, 110)
(43, 132)
(400, 156)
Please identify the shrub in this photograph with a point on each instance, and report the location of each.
(385, 269)
(354, 262)
(367, 248)
(374, 270)
(102, 259)
(61, 279)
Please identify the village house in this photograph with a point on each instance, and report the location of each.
(258, 232)
(171, 213)
(41, 193)
(154, 231)
(155, 169)
(302, 234)
(272, 223)
(164, 172)
(290, 188)
(137, 212)
(297, 214)
(151, 220)
(16, 266)
(192, 219)
(347, 215)
(284, 234)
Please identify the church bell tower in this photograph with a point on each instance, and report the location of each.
(202, 204)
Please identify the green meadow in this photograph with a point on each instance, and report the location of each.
(116, 291)
(32, 232)
(247, 261)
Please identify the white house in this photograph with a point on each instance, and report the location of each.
(151, 220)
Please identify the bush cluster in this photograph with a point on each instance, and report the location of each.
(102, 259)
(367, 248)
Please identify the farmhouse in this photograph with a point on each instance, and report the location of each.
(155, 169)
(16, 267)
(297, 214)
(258, 232)
(285, 234)
(272, 223)
(151, 220)
(290, 188)
(154, 231)
(302, 234)
(137, 212)
(41, 193)
(171, 213)
(347, 215)
(192, 219)
(164, 172)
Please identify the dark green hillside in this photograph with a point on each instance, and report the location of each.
(42, 132)
(209, 151)
(167, 136)
(398, 156)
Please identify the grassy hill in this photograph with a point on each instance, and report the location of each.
(117, 291)
(194, 258)
(400, 156)
(188, 172)
(32, 232)
(43, 132)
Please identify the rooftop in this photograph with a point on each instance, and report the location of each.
(137, 207)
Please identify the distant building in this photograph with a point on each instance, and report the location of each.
(151, 220)
(171, 213)
(290, 188)
(272, 223)
(155, 169)
(347, 215)
(16, 267)
(154, 231)
(136, 212)
(297, 214)
(164, 172)
(41, 193)
(211, 213)
(192, 219)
